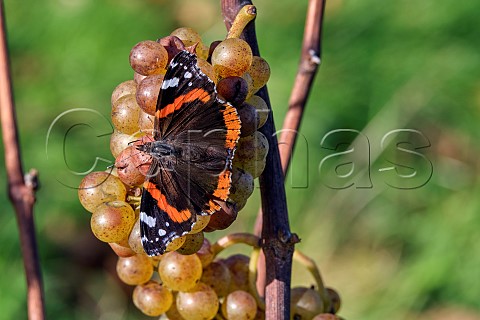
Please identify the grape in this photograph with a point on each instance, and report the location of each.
(233, 89)
(172, 313)
(205, 253)
(212, 47)
(99, 187)
(207, 68)
(119, 141)
(200, 303)
(125, 114)
(147, 93)
(239, 305)
(238, 266)
(134, 239)
(242, 185)
(305, 302)
(126, 169)
(176, 244)
(148, 57)
(326, 316)
(123, 89)
(112, 221)
(260, 72)
(335, 298)
(134, 270)
(152, 298)
(180, 272)
(146, 122)
(218, 277)
(187, 35)
(232, 57)
(222, 218)
(249, 80)
(252, 166)
(137, 77)
(202, 51)
(172, 44)
(249, 118)
(121, 250)
(262, 109)
(241, 204)
(193, 243)
(252, 147)
(200, 224)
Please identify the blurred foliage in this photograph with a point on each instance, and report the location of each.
(392, 254)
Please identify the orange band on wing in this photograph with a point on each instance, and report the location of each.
(232, 122)
(223, 186)
(173, 213)
(195, 94)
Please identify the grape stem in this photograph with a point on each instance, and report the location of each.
(243, 17)
(21, 189)
(311, 266)
(235, 238)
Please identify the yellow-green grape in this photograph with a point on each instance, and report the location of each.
(134, 270)
(205, 253)
(239, 305)
(241, 204)
(335, 298)
(148, 57)
(99, 187)
(112, 221)
(262, 109)
(207, 68)
(202, 51)
(200, 224)
(152, 298)
(121, 250)
(249, 80)
(238, 266)
(172, 313)
(187, 35)
(305, 302)
(218, 277)
(155, 260)
(137, 77)
(249, 118)
(199, 303)
(176, 244)
(120, 141)
(134, 239)
(123, 89)
(193, 243)
(260, 72)
(232, 57)
(145, 122)
(180, 272)
(147, 93)
(251, 154)
(242, 185)
(125, 114)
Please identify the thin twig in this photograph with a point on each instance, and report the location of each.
(278, 241)
(309, 62)
(21, 190)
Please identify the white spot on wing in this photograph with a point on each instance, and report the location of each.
(190, 84)
(170, 83)
(187, 75)
(150, 221)
(167, 224)
(161, 232)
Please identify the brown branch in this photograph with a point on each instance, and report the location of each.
(309, 62)
(278, 241)
(21, 190)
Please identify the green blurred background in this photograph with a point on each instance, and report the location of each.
(392, 254)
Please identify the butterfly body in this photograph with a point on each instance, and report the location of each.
(195, 136)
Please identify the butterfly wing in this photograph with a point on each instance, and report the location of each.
(204, 130)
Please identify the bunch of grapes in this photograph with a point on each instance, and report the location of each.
(188, 281)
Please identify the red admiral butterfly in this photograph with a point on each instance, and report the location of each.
(195, 135)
